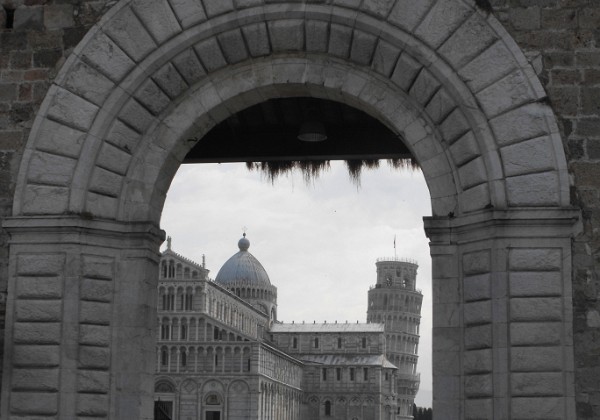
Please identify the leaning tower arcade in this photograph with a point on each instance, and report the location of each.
(396, 302)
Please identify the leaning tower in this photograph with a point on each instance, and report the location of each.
(396, 302)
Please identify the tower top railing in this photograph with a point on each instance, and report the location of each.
(398, 259)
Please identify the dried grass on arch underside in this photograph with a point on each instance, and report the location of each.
(312, 169)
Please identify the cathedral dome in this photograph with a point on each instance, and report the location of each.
(244, 268)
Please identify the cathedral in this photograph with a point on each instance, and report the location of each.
(223, 355)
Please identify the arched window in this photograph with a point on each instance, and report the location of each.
(295, 343)
(183, 358)
(165, 332)
(164, 357)
(183, 332)
(328, 408)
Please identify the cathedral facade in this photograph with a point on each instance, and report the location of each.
(223, 355)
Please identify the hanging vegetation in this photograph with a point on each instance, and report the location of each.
(312, 169)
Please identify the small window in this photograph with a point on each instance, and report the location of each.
(317, 342)
(338, 374)
(216, 360)
(364, 343)
(183, 359)
(328, 408)
(324, 374)
(386, 376)
(164, 357)
(295, 343)
(351, 374)
(184, 332)
(339, 342)
(365, 374)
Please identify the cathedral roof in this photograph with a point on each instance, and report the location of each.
(348, 360)
(243, 268)
(327, 327)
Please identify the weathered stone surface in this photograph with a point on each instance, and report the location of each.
(406, 71)
(34, 403)
(58, 16)
(534, 259)
(73, 110)
(478, 361)
(36, 264)
(537, 408)
(92, 381)
(541, 359)
(104, 55)
(233, 46)
(534, 384)
(529, 156)
(363, 47)
(533, 190)
(536, 309)
(45, 199)
(38, 310)
(535, 333)
(39, 287)
(535, 284)
(473, 37)
(94, 357)
(130, 34)
(158, 18)
(95, 313)
(443, 18)
(287, 35)
(96, 290)
(189, 12)
(92, 405)
(478, 312)
(37, 332)
(340, 38)
(257, 37)
(94, 335)
(36, 355)
(51, 169)
(210, 54)
(473, 173)
(114, 159)
(106, 182)
(35, 379)
(137, 117)
(477, 287)
(189, 66)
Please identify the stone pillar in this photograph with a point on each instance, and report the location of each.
(502, 327)
(81, 318)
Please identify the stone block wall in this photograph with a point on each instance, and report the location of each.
(561, 38)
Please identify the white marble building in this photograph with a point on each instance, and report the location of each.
(222, 354)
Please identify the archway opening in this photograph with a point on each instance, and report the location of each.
(320, 238)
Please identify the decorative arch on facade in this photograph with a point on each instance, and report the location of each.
(152, 77)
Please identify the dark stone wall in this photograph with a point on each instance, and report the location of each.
(561, 38)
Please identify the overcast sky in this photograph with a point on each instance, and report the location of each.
(318, 243)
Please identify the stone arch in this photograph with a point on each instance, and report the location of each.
(443, 75)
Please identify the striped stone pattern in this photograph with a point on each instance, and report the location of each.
(479, 322)
(95, 313)
(537, 334)
(37, 334)
(455, 65)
